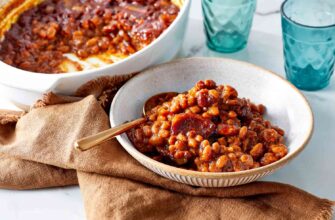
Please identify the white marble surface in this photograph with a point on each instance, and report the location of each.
(311, 171)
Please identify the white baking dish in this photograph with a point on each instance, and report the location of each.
(23, 88)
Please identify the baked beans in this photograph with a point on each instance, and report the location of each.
(42, 35)
(210, 129)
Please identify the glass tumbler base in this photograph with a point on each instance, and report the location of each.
(322, 86)
(303, 83)
(225, 49)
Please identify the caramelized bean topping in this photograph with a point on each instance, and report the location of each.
(44, 33)
(210, 129)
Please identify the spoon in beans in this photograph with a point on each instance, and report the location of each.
(89, 142)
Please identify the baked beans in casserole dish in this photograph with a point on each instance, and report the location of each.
(57, 36)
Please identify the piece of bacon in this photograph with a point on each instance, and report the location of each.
(183, 123)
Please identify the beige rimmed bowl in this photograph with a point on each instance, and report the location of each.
(286, 107)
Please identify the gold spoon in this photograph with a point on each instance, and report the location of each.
(89, 142)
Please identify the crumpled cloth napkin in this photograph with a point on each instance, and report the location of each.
(36, 151)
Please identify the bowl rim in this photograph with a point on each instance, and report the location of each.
(130, 148)
(183, 10)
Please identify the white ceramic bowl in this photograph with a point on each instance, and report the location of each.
(286, 107)
(23, 88)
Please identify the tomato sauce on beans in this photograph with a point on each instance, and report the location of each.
(210, 129)
(43, 34)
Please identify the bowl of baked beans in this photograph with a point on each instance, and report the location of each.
(231, 122)
(58, 45)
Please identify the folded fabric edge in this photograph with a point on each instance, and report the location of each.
(18, 174)
(27, 187)
(327, 209)
(9, 116)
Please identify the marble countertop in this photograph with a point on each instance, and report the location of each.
(311, 171)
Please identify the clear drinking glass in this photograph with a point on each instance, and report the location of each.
(228, 23)
(309, 42)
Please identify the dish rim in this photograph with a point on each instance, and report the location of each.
(181, 13)
(130, 148)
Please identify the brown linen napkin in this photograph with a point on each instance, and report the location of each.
(23, 174)
(115, 186)
(109, 197)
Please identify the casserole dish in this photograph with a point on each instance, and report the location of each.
(24, 87)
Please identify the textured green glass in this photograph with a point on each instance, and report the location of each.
(228, 23)
(309, 42)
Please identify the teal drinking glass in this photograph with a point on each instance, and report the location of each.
(309, 42)
(228, 23)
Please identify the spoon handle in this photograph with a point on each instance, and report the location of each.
(93, 140)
